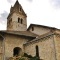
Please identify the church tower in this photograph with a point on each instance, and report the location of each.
(16, 20)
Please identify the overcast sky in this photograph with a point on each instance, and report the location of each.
(42, 12)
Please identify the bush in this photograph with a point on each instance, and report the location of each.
(31, 58)
(26, 55)
(21, 58)
(34, 58)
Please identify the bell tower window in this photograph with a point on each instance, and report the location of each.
(18, 20)
(21, 21)
(10, 21)
(20, 9)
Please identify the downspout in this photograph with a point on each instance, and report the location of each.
(54, 46)
(3, 47)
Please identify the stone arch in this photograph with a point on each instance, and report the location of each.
(17, 51)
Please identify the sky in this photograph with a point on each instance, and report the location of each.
(42, 12)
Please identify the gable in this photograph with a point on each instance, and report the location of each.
(39, 29)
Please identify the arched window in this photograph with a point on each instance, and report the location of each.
(10, 21)
(21, 20)
(16, 51)
(18, 20)
(37, 51)
(20, 9)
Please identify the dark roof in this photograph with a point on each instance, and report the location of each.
(21, 33)
(40, 26)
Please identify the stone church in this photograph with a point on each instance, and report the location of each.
(36, 40)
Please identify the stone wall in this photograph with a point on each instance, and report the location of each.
(12, 41)
(57, 46)
(46, 48)
(14, 25)
(39, 30)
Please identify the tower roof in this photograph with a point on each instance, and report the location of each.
(17, 6)
(17, 3)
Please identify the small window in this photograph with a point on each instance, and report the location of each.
(32, 28)
(21, 21)
(18, 20)
(20, 9)
(37, 51)
(10, 21)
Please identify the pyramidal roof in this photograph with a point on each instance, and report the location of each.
(17, 6)
(16, 2)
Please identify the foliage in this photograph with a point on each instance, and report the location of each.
(31, 58)
(34, 58)
(26, 55)
(21, 58)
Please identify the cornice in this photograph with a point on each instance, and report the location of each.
(40, 38)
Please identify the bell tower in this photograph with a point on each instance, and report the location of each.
(16, 20)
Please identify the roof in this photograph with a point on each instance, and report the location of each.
(17, 6)
(21, 33)
(40, 26)
(40, 37)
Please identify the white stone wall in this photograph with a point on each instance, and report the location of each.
(39, 30)
(15, 26)
(12, 41)
(57, 46)
(46, 48)
(57, 31)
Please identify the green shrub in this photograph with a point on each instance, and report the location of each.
(21, 59)
(26, 55)
(31, 57)
(34, 58)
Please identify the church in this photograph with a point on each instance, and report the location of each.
(36, 40)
